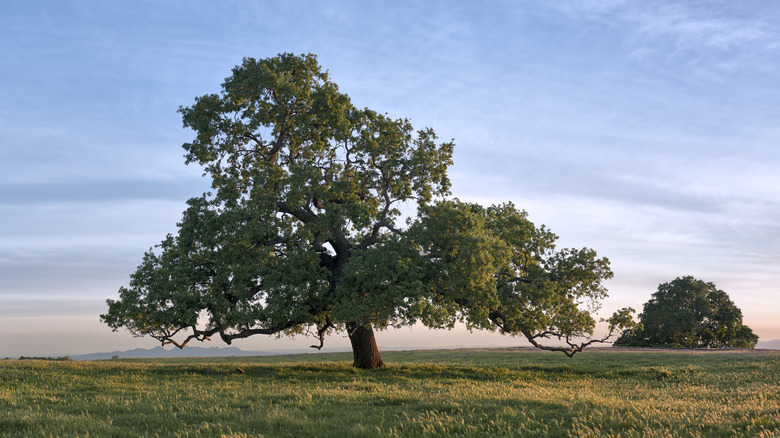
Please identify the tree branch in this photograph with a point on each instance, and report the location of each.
(166, 337)
(497, 317)
(300, 214)
(321, 331)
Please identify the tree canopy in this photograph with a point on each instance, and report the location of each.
(302, 232)
(689, 313)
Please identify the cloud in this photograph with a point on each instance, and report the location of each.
(696, 34)
(588, 8)
(100, 190)
(692, 28)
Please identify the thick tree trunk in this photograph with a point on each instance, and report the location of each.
(364, 349)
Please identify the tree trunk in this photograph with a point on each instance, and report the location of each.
(364, 349)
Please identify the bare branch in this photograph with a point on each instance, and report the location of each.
(321, 332)
(200, 335)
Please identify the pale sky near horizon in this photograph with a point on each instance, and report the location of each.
(645, 130)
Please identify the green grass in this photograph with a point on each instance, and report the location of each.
(423, 393)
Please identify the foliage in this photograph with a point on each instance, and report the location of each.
(302, 232)
(61, 358)
(423, 393)
(495, 269)
(689, 313)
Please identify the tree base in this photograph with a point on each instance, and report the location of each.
(364, 350)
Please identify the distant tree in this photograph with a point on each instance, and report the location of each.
(689, 313)
(301, 234)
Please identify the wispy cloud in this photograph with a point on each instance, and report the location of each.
(696, 29)
(689, 32)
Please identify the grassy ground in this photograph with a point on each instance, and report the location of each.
(423, 393)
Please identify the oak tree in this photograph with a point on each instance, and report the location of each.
(689, 313)
(302, 232)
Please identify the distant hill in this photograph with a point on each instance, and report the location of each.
(172, 352)
(769, 345)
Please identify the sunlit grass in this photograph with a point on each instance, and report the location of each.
(423, 393)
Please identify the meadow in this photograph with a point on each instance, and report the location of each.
(452, 393)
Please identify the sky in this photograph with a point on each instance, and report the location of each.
(645, 130)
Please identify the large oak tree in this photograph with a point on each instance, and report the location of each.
(302, 231)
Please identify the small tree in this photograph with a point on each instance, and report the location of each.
(301, 234)
(689, 313)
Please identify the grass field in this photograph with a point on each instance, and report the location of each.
(450, 393)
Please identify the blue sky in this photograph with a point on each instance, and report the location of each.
(644, 130)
